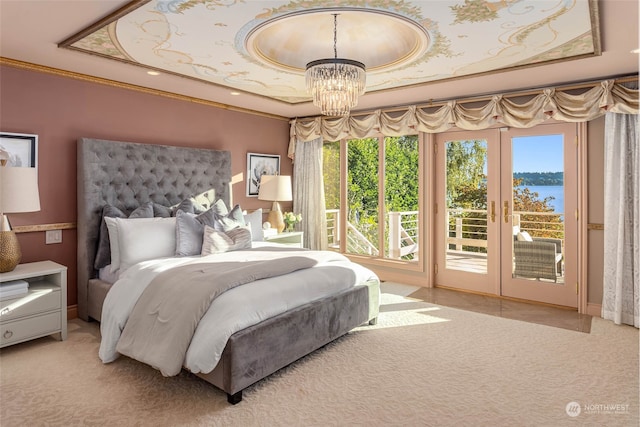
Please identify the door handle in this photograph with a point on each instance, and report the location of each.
(493, 211)
(506, 212)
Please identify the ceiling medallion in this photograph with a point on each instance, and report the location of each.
(335, 83)
(287, 43)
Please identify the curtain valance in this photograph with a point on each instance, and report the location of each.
(607, 96)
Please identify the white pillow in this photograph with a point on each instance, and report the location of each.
(254, 220)
(141, 239)
(523, 236)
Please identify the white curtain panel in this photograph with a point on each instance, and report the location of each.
(621, 301)
(308, 190)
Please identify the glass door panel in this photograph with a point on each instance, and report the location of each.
(540, 237)
(466, 205)
(467, 248)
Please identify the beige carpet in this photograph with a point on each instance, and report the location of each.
(422, 365)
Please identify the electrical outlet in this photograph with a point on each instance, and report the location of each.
(53, 236)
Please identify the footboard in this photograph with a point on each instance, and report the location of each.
(256, 352)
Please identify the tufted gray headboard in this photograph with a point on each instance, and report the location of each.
(126, 175)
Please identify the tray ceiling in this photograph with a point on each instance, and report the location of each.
(262, 47)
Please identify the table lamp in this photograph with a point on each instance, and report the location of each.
(276, 188)
(18, 193)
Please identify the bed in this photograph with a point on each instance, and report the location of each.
(129, 177)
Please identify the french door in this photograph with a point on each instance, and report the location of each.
(506, 212)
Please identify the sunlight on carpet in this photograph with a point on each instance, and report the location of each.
(398, 310)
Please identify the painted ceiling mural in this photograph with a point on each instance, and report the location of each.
(262, 47)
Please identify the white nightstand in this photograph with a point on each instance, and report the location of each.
(40, 312)
(293, 238)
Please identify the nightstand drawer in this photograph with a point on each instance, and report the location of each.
(32, 327)
(34, 302)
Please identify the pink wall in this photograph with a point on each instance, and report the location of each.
(60, 110)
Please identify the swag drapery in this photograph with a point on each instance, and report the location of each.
(621, 287)
(607, 96)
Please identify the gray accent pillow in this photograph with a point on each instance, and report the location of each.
(189, 206)
(161, 211)
(189, 231)
(190, 227)
(220, 207)
(217, 242)
(233, 219)
(103, 254)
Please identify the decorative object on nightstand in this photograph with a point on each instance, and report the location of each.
(13, 289)
(38, 312)
(18, 193)
(290, 220)
(267, 230)
(276, 188)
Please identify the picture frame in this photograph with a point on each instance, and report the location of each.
(258, 165)
(22, 149)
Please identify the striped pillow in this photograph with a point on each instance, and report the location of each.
(217, 242)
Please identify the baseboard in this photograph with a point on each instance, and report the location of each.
(594, 310)
(72, 311)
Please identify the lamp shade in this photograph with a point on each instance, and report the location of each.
(276, 188)
(19, 190)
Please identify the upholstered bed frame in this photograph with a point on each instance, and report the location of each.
(126, 175)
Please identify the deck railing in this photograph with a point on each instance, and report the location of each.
(402, 235)
(467, 231)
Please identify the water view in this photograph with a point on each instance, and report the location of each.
(555, 191)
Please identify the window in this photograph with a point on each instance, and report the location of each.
(381, 198)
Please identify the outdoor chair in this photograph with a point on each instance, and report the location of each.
(540, 258)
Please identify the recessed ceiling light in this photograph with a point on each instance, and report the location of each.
(153, 73)
(235, 93)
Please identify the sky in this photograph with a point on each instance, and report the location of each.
(538, 153)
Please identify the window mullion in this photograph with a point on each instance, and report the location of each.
(382, 225)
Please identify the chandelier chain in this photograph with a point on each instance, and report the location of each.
(335, 35)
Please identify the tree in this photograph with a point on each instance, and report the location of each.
(331, 174)
(362, 186)
(465, 174)
(401, 173)
(525, 200)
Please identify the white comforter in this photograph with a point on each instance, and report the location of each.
(235, 309)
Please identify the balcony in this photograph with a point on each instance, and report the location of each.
(541, 259)
(466, 237)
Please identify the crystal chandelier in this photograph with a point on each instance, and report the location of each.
(335, 83)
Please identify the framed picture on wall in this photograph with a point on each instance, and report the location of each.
(21, 149)
(257, 166)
